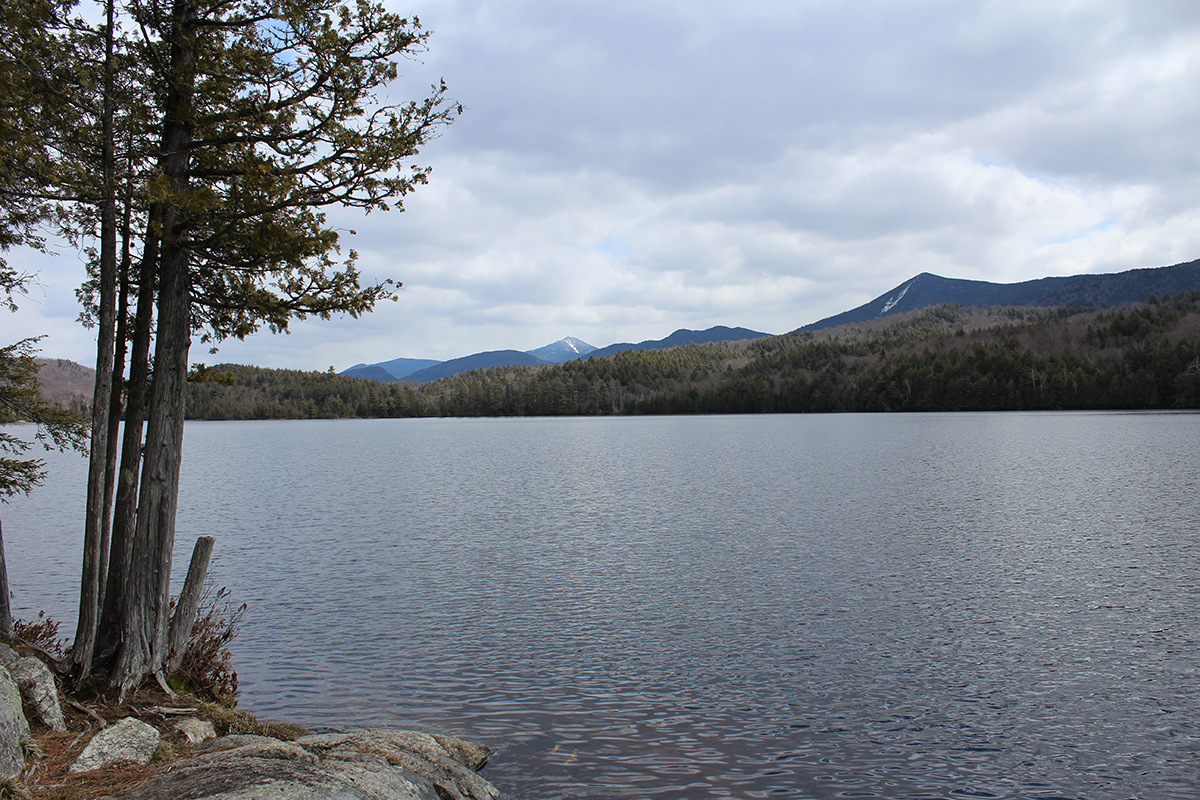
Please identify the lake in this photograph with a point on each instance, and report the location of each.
(826, 606)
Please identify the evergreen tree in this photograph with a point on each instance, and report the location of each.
(56, 428)
(238, 123)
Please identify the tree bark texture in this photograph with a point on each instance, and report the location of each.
(188, 602)
(147, 596)
(143, 647)
(91, 577)
(6, 623)
(124, 514)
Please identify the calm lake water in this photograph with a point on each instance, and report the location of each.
(890, 606)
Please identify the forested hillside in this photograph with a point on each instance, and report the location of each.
(942, 358)
(1110, 289)
(66, 384)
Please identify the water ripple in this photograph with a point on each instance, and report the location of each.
(932, 606)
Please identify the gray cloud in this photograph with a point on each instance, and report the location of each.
(625, 169)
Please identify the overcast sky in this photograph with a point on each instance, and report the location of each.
(624, 169)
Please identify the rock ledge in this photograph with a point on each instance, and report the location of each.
(361, 765)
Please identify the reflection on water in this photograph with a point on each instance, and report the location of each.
(985, 605)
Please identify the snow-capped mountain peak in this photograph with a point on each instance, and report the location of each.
(567, 349)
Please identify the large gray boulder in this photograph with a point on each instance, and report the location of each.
(448, 762)
(127, 740)
(14, 728)
(39, 689)
(367, 765)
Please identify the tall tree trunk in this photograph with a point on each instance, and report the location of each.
(124, 516)
(92, 579)
(6, 623)
(147, 597)
(116, 405)
(143, 647)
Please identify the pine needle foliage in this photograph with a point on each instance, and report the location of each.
(21, 401)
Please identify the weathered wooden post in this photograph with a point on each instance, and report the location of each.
(189, 601)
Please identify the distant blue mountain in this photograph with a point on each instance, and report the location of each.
(567, 349)
(918, 292)
(926, 289)
(720, 333)
(493, 358)
(403, 367)
(386, 371)
(369, 373)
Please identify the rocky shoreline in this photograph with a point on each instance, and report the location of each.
(182, 757)
(366, 765)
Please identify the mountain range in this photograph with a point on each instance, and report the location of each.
(921, 291)
(567, 349)
(926, 289)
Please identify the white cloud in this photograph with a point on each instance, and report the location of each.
(625, 169)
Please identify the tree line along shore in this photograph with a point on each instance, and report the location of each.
(943, 358)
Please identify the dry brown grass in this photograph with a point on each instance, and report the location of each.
(207, 690)
(46, 777)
